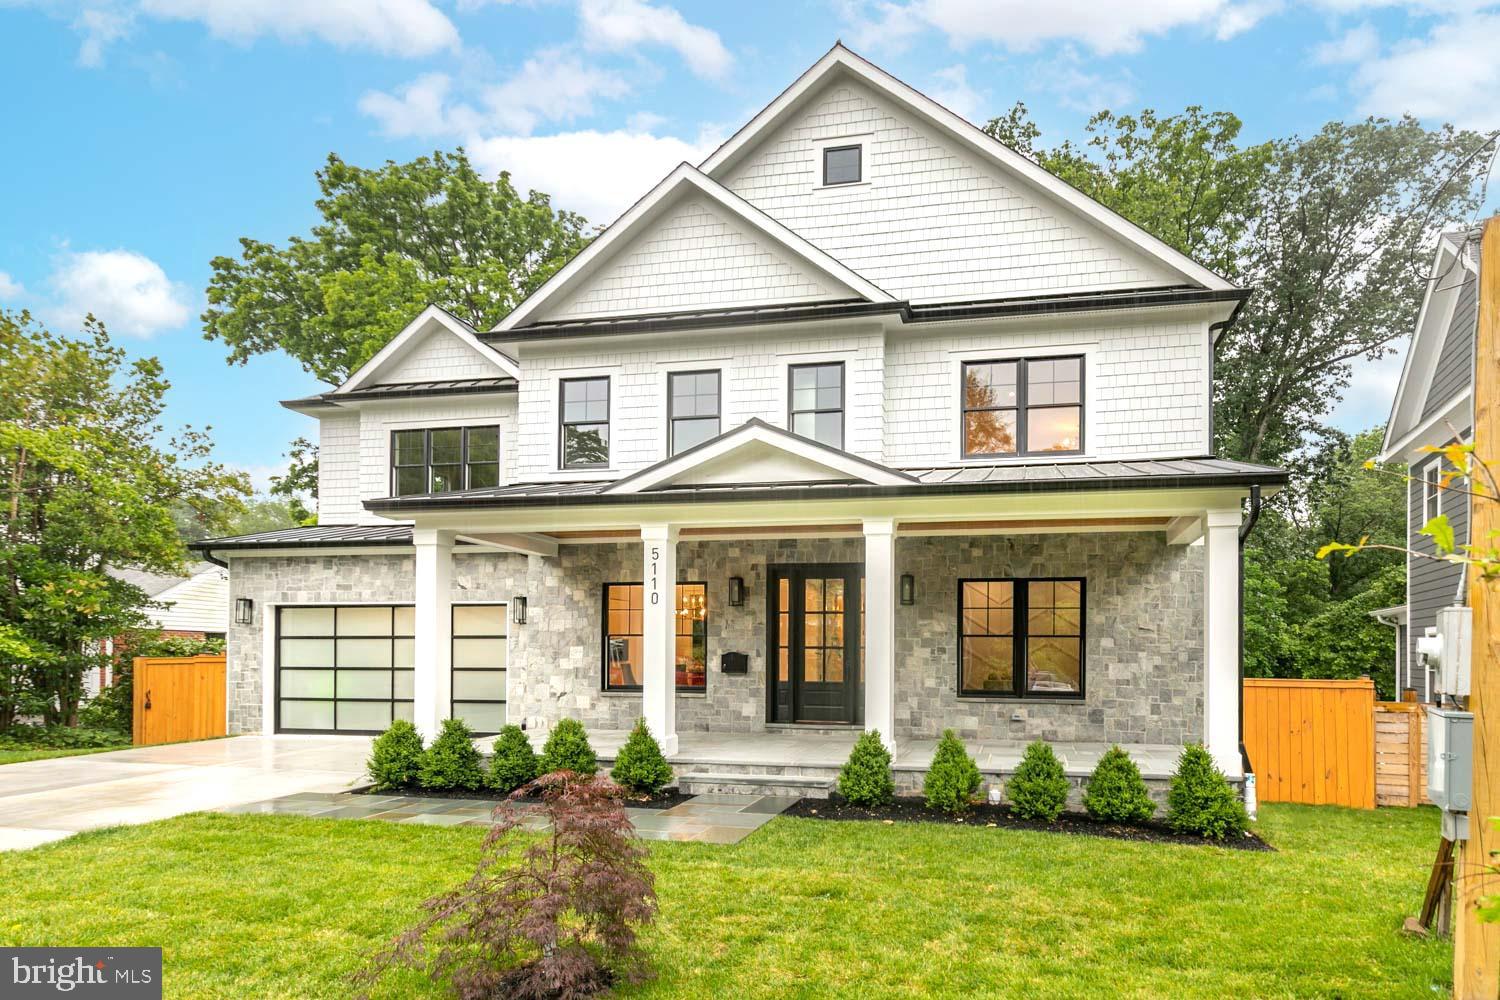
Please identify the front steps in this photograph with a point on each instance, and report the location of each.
(740, 781)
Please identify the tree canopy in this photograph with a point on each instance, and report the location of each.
(88, 483)
(393, 240)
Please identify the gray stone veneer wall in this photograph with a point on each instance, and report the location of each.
(1144, 650)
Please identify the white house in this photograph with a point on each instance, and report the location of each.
(194, 606)
(864, 421)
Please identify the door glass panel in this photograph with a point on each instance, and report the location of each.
(833, 666)
(404, 653)
(307, 621)
(371, 716)
(365, 653)
(405, 683)
(479, 685)
(307, 652)
(364, 621)
(307, 684)
(364, 684)
(812, 666)
(481, 718)
(406, 620)
(812, 599)
(479, 619)
(478, 652)
(405, 711)
(307, 715)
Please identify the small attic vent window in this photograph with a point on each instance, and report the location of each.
(842, 165)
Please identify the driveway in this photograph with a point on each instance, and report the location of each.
(45, 800)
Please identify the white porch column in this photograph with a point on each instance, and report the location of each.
(659, 642)
(880, 629)
(1221, 638)
(434, 629)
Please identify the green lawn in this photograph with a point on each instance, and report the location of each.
(282, 906)
(16, 756)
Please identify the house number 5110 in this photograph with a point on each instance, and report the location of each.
(655, 590)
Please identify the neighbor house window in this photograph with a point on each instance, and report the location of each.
(1021, 638)
(817, 402)
(444, 459)
(841, 165)
(1432, 491)
(585, 423)
(624, 632)
(1025, 406)
(692, 409)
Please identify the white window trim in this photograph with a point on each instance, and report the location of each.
(864, 140)
(665, 369)
(1432, 473)
(388, 446)
(957, 360)
(555, 378)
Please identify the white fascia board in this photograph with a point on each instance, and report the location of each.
(1399, 405)
(651, 205)
(1457, 412)
(841, 58)
(413, 334)
(761, 433)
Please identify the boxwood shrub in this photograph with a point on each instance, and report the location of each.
(514, 762)
(567, 749)
(866, 778)
(395, 757)
(640, 765)
(452, 762)
(953, 778)
(1038, 789)
(1201, 801)
(1116, 792)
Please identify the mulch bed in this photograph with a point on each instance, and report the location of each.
(914, 810)
(664, 799)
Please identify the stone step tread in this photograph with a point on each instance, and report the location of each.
(739, 777)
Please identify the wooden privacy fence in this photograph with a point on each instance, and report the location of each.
(1312, 741)
(178, 698)
(1400, 753)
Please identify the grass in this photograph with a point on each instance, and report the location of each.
(283, 906)
(44, 753)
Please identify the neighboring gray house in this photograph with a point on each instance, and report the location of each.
(866, 421)
(1434, 406)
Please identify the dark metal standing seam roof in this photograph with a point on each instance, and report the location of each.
(399, 390)
(322, 534)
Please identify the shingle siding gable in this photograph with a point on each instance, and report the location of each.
(933, 222)
(440, 356)
(696, 257)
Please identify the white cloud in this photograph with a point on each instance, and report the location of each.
(10, 288)
(1019, 25)
(420, 108)
(619, 25)
(567, 166)
(128, 291)
(100, 27)
(1066, 77)
(1354, 46)
(952, 91)
(1449, 75)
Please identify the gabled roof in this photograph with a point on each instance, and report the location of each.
(752, 452)
(684, 179)
(840, 60)
(1455, 264)
(432, 320)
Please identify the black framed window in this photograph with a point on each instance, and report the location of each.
(584, 423)
(842, 165)
(1020, 638)
(693, 408)
(444, 459)
(624, 636)
(1026, 406)
(816, 408)
(344, 668)
(479, 663)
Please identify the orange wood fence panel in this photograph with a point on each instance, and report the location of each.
(1400, 753)
(1312, 741)
(178, 698)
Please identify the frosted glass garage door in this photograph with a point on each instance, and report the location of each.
(343, 669)
(479, 663)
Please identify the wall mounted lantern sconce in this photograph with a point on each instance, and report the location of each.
(908, 589)
(518, 609)
(736, 591)
(244, 611)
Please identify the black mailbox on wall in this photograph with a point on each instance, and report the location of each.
(735, 663)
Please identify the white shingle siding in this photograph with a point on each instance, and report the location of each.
(197, 604)
(437, 358)
(338, 469)
(1146, 386)
(694, 258)
(933, 222)
(754, 366)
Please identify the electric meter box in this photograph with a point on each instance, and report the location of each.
(1450, 758)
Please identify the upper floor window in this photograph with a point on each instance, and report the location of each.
(842, 165)
(585, 423)
(692, 408)
(1023, 407)
(444, 459)
(817, 402)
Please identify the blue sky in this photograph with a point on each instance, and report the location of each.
(146, 136)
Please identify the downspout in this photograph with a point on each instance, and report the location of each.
(1245, 528)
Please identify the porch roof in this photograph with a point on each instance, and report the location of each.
(1187, 473)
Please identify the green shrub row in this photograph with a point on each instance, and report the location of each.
(398, 759)
(1200, 801)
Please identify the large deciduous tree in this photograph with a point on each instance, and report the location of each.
(87, 482)
(393, 240)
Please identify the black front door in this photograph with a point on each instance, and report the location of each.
(815, 643)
